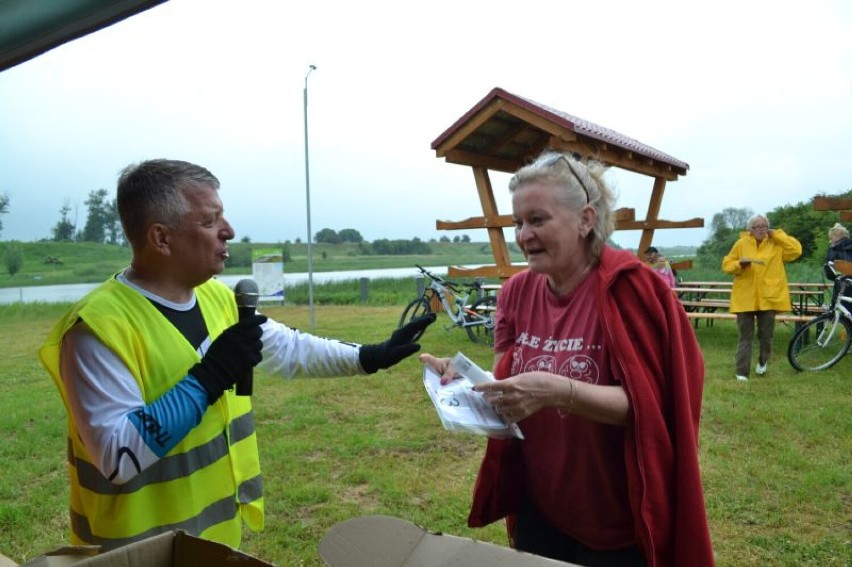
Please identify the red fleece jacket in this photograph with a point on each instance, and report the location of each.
(655, 347)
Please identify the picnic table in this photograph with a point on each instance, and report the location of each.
(712, 299)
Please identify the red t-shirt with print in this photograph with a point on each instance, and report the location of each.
(575, 468)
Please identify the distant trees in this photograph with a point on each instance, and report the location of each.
(13, 258)
(4, 207)
(725, 226)
(731, 218)
(63, 231)
(102, 222)
(350, 235)
(399, 247)
(327, 236)
(330, 236)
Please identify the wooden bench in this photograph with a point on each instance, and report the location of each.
(705, 304)
(807, 299)
(711, 315)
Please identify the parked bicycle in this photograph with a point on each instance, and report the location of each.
(467, 305)
(823, 341)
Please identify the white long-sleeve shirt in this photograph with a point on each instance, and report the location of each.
(111, 414)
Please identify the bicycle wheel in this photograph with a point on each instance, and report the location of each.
(480, 323)
(413, 310)
(819, 344)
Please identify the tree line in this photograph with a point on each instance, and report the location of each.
(102, 225)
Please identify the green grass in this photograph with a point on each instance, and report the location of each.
(775, 451)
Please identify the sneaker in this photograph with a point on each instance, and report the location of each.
(741, 378)
(760, 369)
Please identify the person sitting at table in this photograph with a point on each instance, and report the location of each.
(839, 248)
(760, 287)
(660, 265)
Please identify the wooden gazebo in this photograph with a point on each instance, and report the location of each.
(503, 132)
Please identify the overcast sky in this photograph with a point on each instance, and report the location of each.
(755, 95)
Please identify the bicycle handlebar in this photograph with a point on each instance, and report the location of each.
(452, 285)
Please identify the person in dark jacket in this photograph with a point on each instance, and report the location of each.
(839, 248)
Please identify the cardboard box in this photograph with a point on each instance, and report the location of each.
(383, 541)
(171, 549)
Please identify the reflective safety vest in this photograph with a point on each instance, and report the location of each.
(209, 482)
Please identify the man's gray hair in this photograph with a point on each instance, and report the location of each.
(152, 192)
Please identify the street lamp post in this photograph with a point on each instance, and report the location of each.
(308, 200)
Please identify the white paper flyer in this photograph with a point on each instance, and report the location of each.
(462, 409)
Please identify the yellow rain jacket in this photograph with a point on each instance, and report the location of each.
(762, 285)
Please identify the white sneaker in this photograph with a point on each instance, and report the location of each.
(741, 378)
(760, 369)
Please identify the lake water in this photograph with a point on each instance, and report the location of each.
(73, 292)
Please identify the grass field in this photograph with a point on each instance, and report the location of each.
(775, 451)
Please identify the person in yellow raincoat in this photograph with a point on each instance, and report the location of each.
(760, 289)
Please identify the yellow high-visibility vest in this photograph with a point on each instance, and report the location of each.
(209, 481)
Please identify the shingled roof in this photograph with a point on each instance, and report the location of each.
(504, 131)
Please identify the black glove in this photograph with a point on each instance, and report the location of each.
(232, 354)
(400, 345)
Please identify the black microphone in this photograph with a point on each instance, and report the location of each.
(247, 295)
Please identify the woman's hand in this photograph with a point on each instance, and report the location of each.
(440, 365)
(520, 396)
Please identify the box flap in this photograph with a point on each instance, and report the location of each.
(62, 556)
(170, 549)
(7, 561)
(370, 541)
(191, 550)
(383, 541)
(155, 551)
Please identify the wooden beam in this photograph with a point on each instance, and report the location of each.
(462, 157)
(509, 136)
(624, 220)
(484, 272)
(473, 123)
(624, 214)
(652, 216)
(647, 225)
(589, 147)
(843, 267)
(543, 124)
(489, 206)
(822, 203)
(497, 221)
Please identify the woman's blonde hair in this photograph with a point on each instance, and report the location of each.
(838, 230)
(583, 185)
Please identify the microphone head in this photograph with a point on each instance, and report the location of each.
(247, 293)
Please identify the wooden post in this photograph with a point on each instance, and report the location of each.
(652, 216)
(364, 284)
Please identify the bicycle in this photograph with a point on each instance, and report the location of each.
(476, 318)
(823, 341)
